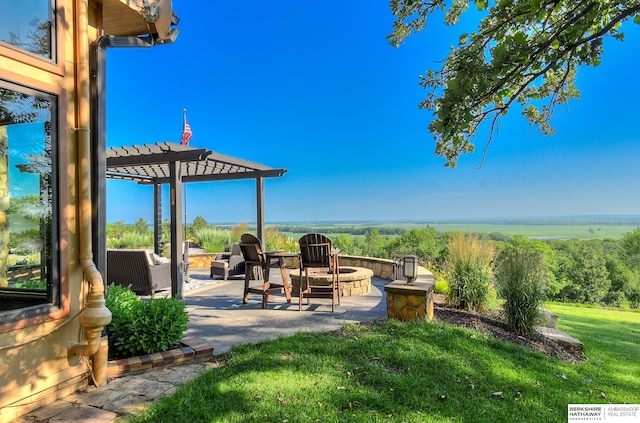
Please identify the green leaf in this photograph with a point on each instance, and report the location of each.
(636, 19)
(481, 4)
(535, 5)
(520, 38)
(499, 54)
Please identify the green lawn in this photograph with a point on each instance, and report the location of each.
(611, 339)
(418, 372)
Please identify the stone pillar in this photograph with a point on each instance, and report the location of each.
(410, 301)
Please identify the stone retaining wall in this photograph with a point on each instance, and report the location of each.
(201, 261)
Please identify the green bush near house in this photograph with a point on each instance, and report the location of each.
(143, 326)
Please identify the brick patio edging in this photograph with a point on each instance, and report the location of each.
(190, 349)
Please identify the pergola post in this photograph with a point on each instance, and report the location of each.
(175, 188)
(260, 211)
(157, 218)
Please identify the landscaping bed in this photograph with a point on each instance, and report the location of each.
(494, 327)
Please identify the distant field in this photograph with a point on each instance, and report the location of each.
(543, 231)
(596, 228)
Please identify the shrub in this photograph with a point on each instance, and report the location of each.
(131, 239)
(276, 240)
(143, 327)
(441, 286)
(345, 244)
(211, 239)
(236, 231)
(469, 274)
(421, 242)
(521, 278)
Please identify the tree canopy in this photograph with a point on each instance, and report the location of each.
(523, 52)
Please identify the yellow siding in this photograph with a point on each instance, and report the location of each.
(35, 367)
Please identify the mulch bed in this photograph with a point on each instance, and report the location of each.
(494, 327)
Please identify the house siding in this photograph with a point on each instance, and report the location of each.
(36, 367)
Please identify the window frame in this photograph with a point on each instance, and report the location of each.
(53, 64)
(53, 305)
(46, 76)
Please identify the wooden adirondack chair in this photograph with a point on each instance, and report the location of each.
(257, 265)
(316, 255)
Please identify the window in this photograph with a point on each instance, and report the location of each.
(28, 227)
(28, 25)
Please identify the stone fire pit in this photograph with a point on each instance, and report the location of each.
(353, 280)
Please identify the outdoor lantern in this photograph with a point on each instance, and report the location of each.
(410, 268)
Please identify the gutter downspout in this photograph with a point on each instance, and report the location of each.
(95, 316)
(92, 172)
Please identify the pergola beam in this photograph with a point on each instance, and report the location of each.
(158, 158)
(219, 177)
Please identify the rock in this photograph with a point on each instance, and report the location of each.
(565, 341)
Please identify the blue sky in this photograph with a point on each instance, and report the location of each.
(314, 87)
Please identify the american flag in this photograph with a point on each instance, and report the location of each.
(186, 133)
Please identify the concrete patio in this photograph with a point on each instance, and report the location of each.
(216, 317)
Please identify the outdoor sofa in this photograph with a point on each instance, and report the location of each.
(144, 271)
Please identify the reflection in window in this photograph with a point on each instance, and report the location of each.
(28, 24)
(26, 202)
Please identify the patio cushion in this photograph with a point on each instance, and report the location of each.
(155, 259)
(219, 264)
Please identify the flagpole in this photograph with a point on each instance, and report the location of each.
(184, 126)
(185, 253)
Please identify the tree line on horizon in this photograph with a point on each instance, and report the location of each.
(605, 272)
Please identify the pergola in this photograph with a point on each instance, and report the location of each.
(175, 164)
